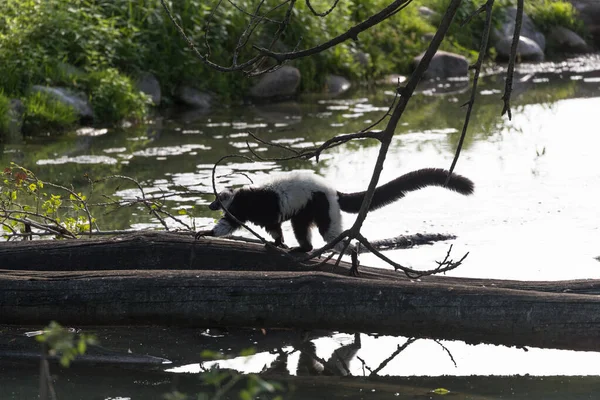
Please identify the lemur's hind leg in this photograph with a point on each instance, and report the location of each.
(301, 224)
(328, 219)
(275, 231)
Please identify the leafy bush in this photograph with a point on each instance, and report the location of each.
(37, 36)
(549, 13)
(114, 97)
(44, 113)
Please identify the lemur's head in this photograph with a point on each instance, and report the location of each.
(226, 197)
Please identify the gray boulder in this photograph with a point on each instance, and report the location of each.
(428, 14)
(282, 83)
(528, 29)
(147, 83)
(589, 12)
(69, 97)
(566, 41)
(193, 97)
(336, 84)
(444, 65)
(527, 50)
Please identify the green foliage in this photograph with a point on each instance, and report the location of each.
(4, 112)
(25, 202)
(44, 113)
(64, 343)
(114, 97)
(107, 40)
(549, 13)
(466, 39)
(36, 36)
(393, 43)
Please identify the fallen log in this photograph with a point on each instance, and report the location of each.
(305, 300)
(172, 280)
(161, 250)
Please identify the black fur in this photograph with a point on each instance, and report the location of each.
(259, 206)
(397, 188)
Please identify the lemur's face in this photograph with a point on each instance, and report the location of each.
(226, 197)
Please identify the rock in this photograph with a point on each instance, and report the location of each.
(444, 65)
(589, 12)
(527, 50)
(566, 41)
(428, 14)
(147, 83)
(193, 97)
(336, 84)
(282, 83)
(74, 99)
(528, 29)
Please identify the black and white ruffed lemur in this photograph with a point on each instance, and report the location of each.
(307, 199)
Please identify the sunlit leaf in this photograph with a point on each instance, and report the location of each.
(440, 391)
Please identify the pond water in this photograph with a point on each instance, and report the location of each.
(534, 214)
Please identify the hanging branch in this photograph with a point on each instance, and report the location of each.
(483, 47)
(512, 60)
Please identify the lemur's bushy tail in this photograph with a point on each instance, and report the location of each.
(396, 189)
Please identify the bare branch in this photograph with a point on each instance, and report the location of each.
(512, 60)
(351, 33)
(323, 14)
(482, 52)
(399, 350)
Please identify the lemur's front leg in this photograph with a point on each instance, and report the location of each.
(223, 228)
(275, 231)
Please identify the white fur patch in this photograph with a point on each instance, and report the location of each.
(222, 228)
(296, 188)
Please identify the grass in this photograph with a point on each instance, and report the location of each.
(44, 114)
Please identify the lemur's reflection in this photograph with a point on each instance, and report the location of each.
(336, 365)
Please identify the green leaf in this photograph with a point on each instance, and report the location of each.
(440, 391)
(182, 211)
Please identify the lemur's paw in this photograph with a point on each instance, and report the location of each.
(200, 234)
(300, 249)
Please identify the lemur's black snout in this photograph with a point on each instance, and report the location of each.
(214, 205)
